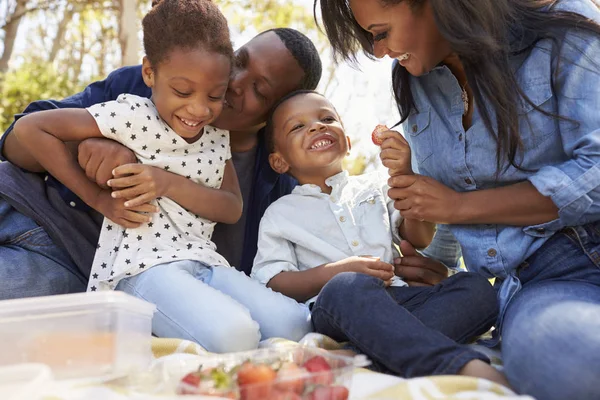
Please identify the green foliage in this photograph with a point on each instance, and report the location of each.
(33, 80)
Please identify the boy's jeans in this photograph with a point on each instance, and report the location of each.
(219, 308)
(408, 331)
(30, 263)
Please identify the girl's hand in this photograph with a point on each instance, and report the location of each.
(418, 270)
(425, 199)
(139, 184)
(395, 153)
(115, 210)
(366, 265)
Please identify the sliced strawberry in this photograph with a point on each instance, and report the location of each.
(320, 369)
(376, 135)
(329, 393)
(255, 381)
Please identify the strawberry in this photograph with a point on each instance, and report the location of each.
(210, 382)
(282, 395)
(320, 368)
(189, 384)
(329, 393)
(376, 135)
(290, 378)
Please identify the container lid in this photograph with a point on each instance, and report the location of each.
(76, 301)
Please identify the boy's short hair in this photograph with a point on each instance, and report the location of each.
(269, 129)
(304, 52)
(186, 24)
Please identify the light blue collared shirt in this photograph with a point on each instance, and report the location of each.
(561, 158)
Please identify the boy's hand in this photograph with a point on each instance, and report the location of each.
(98, 157)
(115, 210)
(367, 265)
(138, 184)
(395, 153)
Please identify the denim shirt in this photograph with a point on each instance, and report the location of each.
(267, 187)
(561, 158)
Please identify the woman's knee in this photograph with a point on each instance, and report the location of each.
(553, 352)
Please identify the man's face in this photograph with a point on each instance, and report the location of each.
(264, 72)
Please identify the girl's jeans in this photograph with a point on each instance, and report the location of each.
(219, 308)
(551, 330)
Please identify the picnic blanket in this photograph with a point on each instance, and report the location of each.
(366, 385)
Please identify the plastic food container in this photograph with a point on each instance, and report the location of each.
(290, 372)
(103, 334)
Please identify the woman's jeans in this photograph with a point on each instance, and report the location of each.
(551, 330)
(408, 331)
(220, 308)
(30, 263)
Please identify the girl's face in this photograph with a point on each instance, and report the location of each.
(310, 141)
(410, 36)
(188, 89)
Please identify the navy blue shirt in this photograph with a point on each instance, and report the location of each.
(267, 186)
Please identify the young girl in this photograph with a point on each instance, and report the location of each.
(336, 231)
(167, 257)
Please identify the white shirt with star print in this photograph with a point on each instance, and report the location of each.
(174, 233)
(308, 228)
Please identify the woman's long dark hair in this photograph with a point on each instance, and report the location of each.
(484, 34)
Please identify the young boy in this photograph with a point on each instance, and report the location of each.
(333, 237)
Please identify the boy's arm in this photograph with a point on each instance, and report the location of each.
(418, 233)
(146, 183)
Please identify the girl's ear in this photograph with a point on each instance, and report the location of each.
(278, 164)
(147, 72)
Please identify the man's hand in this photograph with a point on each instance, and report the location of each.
(366, 265)
(395, 153)
(115, 210)
(99, 157)
(139, 183)
(417, 270)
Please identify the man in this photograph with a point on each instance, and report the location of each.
(48, 236)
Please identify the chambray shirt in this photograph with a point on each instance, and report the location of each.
(308, 228)
(561, 158)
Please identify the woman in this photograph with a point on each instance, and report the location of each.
(499, 100)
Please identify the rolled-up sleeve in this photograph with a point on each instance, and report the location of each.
(574, 185)
(275, 254)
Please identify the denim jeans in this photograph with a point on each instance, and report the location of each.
(30, 263)
(220, 308)
(408, 331)
(550, 334)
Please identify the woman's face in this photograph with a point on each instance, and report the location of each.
(410, 36)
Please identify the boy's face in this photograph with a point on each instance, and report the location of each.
(264, 72)
(188, 89)
(309, 138)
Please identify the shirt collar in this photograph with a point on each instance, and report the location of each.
(333, 181)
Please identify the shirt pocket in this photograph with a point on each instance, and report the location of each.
(367, 204)
(419, 135)
(535, 127)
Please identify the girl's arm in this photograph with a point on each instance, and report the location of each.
(143, 183)
(43, 136)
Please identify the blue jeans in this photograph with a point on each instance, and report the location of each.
(408, 331)
(30, 263)
(220, 308)
(551, 330)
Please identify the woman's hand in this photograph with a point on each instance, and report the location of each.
(115, 210)
(395, 153)
(417, 270)
(423, 198)
(138, 184)
(99, 157)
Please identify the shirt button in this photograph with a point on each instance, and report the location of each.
(468, 181)
(332, 199)
(492, 252)
(46, 178)
(354, 243)
(342, 218)
(460, 137)
(72, 204)
(415, 128)
(371, 201)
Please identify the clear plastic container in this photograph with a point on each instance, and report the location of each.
(103, 334)
(290, 376)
